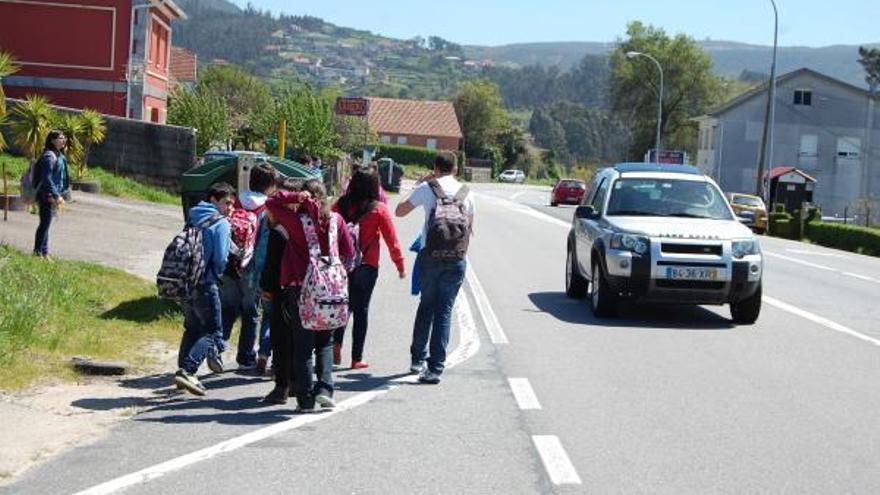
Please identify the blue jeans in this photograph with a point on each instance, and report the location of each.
(265, 341)
(41, 238)
(240, 299)
(202, 328)
(440, 282)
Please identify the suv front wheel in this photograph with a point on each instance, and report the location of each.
(575, 284)
(602, 299)
(746, 311)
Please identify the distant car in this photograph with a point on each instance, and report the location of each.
(568, 191)
(515, 176)
(751, 209)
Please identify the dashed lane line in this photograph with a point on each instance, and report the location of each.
(825, 322)
(524, 394)
(821, 267)
(556, 461)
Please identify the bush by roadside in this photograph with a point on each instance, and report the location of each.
(51, 311)
(852, 238)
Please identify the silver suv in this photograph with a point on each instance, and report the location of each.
(661, 233)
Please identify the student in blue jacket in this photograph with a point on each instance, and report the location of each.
(51, 179)
(203, 329)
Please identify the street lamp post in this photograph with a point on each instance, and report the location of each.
(766, 153)
(632, 55)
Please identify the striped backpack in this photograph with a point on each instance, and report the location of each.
(183, 264)
(323, 300)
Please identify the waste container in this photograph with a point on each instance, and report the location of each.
(390, 174)
(235, 170)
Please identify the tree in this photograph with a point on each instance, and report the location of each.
(481, 115)
(690, 86)
(206, 113)
(94, 130)
(31, 122)
(72, 127)
(353, 132)
(870, 60)
(309, 117)
(7, 68)
(247, 99)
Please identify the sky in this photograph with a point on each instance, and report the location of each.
(498, 22)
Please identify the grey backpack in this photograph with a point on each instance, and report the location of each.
(449, 226)
(183, 264)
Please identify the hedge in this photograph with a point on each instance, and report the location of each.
(852, 238)
(411, 155)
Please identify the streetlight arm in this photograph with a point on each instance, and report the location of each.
(657, 141)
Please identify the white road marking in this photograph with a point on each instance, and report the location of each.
(524, 394)
(825, 322)
(527, 210)
(517, 195)
(821, 267)
(814, 253)
(496, 333)
(469, 344)
(556, 461)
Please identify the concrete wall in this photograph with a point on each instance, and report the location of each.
(151, 153)
(837, 113)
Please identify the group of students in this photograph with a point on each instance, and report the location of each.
(301, 244)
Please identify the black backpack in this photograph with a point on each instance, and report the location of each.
(183, 264)
(449, 226)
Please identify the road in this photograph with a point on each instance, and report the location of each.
(543, 397)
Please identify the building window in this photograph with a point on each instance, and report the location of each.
(809, 145)
(401, 139)
(385, 139)
(803, 97)
(848, 147)
(431, 144)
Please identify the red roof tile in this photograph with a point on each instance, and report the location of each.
(413, 117)
(183, 64)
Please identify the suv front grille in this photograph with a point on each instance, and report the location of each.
(712, 249)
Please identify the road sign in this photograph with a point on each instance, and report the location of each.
(667, 156)
(352, 106)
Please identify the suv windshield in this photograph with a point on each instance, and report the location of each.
(748, 201)
(667, 198)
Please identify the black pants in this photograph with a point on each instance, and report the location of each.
(41, 238)
(282, 341)
(361, 283)
(301, 346)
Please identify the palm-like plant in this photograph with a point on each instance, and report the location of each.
(7, 67)
(72, 127)
(31, 123)
(93, 131)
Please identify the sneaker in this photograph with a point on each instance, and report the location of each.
(417, 368)
(247, 366)
(189, 383)
(215, 362)
(278, 395)
(359, 365)
(337, 354)
(305, 408)
(429, 377)
(325, 401)
(262, 363)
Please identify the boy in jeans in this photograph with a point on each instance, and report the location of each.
(202, 314)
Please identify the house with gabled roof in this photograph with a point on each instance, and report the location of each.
(825, 127)
(429, 124)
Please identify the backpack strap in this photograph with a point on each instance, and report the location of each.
(311, 235)
(462, 193)
(436, 189)
(209, 221)
(332, 236)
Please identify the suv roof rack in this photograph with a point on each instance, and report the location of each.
(657, 167)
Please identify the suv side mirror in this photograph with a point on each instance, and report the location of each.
(586, 212)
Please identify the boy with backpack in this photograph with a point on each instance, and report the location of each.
(449, 217)
(240, 295)
(190, 273)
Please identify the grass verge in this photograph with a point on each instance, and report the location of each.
(111, 185)
(51, 311)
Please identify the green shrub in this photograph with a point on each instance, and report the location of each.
(411, 155)
(781, 224)
(847, 237)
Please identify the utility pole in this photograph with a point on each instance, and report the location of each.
(769, 115)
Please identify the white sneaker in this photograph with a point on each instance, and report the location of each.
(325, 401)
(429, 377)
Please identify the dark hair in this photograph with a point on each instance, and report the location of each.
(52, 136)
(262, 177)
(319, 195)
(292, 185)
(306, 159)
(445, 162)
(219, 191)
(362, 194)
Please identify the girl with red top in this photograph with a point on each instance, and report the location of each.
(361, 205)
(285, 208)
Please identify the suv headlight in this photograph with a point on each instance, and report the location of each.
(628, 242)
(745, 247)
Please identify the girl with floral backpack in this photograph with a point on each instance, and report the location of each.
(314, 287)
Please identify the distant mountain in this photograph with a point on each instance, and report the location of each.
(730, 58)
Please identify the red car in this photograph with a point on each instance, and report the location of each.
(568, 191)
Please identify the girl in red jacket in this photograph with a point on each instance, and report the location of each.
(369, 218)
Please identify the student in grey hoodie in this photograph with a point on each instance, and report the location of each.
(203, 327)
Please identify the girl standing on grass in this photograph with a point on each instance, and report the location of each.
(52, 181)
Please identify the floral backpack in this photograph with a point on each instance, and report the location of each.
(323, 301)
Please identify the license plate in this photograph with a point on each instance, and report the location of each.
(572, 198)
(687, 273)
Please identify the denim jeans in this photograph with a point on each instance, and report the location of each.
(41, 238)
(202, 328)
(265, 339)
(440, 282)
(240, 299)
(361, 283)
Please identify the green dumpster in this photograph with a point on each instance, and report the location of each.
(234, 168)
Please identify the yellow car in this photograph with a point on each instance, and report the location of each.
(750, 207)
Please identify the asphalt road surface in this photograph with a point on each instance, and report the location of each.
(543, 397)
